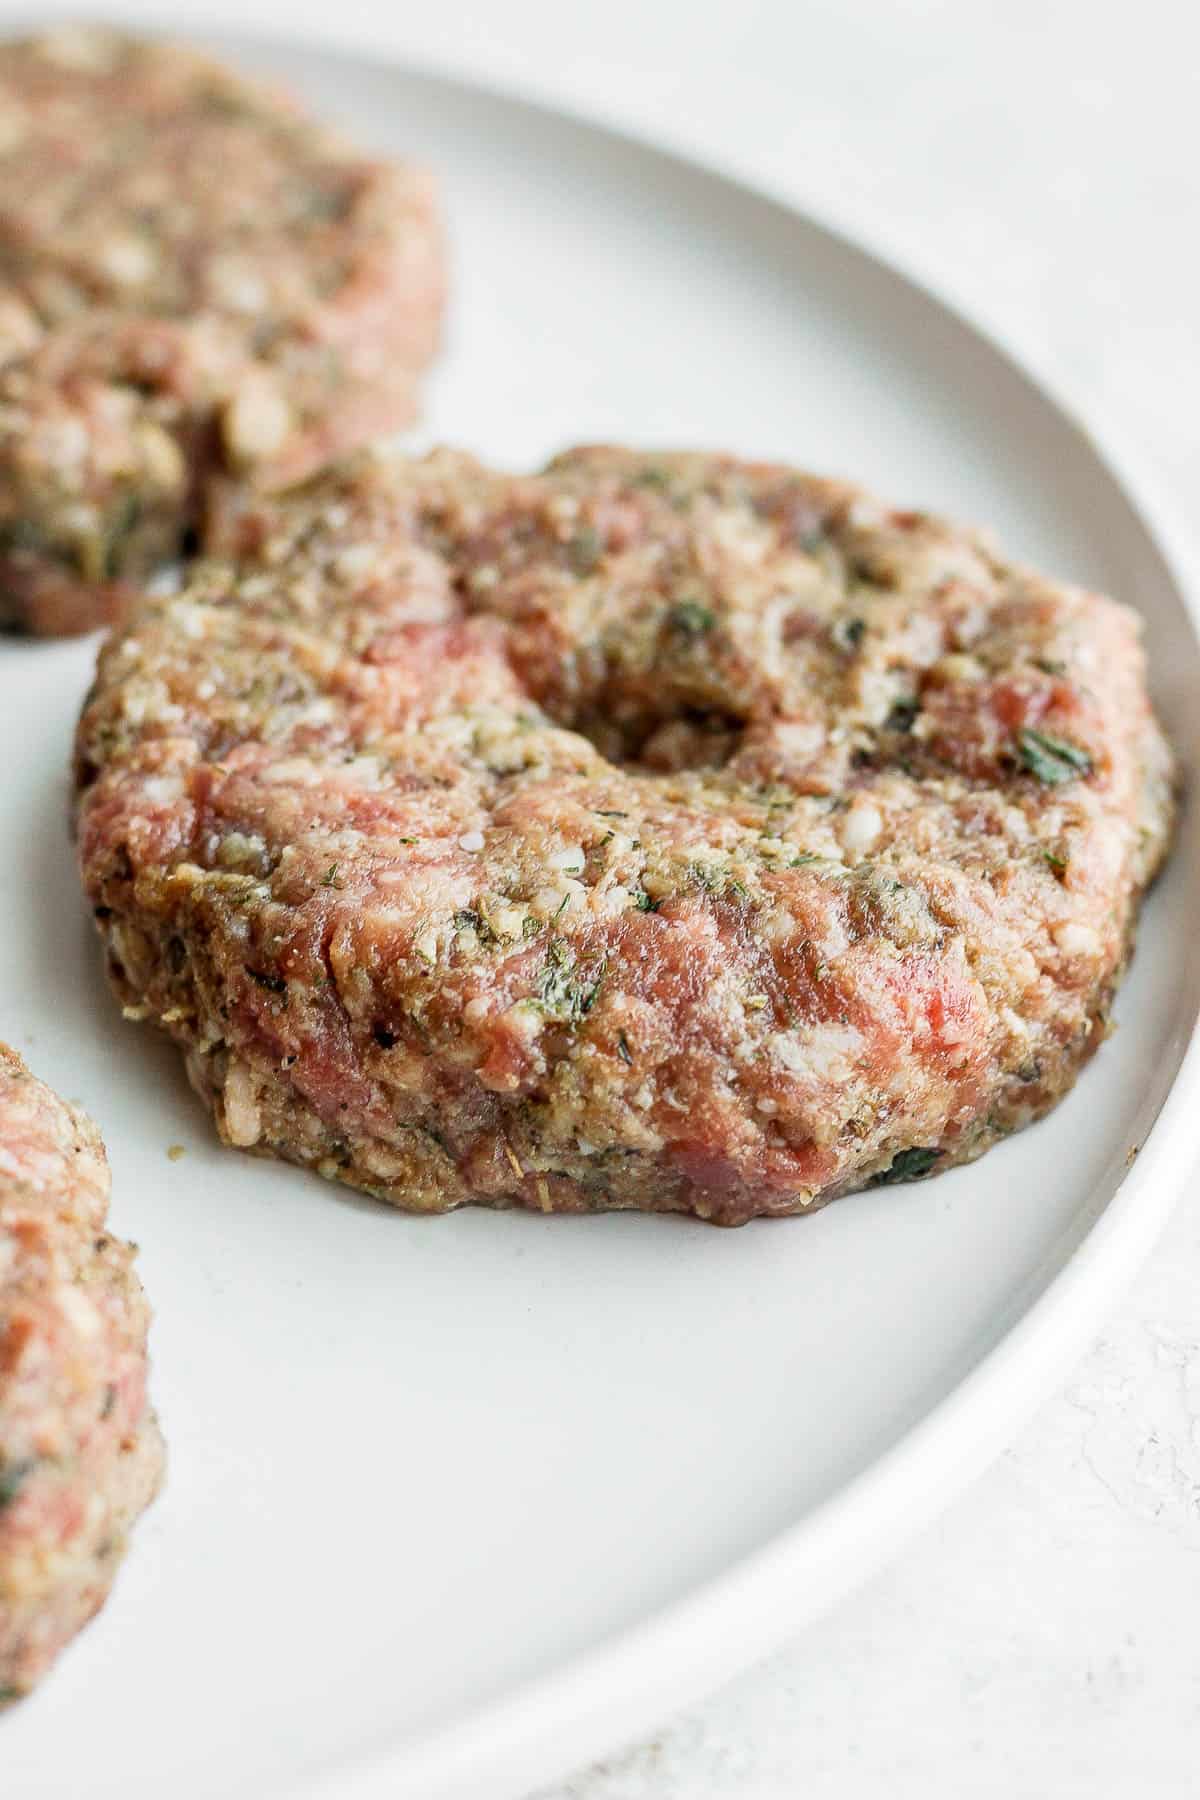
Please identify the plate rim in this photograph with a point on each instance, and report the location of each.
(543, 1728)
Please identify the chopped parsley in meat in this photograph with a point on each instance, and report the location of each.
(1052, 759)
(80, 1454)
(589, 820)
(272, 305)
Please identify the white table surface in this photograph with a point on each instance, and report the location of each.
(1040, 161)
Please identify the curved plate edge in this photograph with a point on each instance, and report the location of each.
(629, 1684)
(559, 1722)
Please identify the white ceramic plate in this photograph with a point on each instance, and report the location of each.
(455, 1504)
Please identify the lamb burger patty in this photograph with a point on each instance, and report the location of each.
(660, 831)
(80, 1451)
(195, 277)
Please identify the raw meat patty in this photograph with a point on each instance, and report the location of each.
(80, 1453)
(658, 831)
(193, 276)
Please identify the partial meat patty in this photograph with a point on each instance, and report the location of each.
(193, 276)
(80, 1453)
(658, 831)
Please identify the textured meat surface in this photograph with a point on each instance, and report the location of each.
(193, 276)
(658, 831)
(80, 1453)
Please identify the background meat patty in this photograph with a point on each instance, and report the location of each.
(80, 1453)
(193, 275)
(658, 831)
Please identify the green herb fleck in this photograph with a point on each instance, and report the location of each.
(903, 715)
(563, 994)
(691, 619)
(12, 1478)
(1056, 862)
(274, 984)
(125, 521)
(227, 103)
(623, 1050)
(908, 1165)
(21, 534)
(315, 202)
(467, 919)
(427, 1131)
(8, 1694)
(558, 992)
(1051, 760)
(592, 994)
(651, 477)
(847, 634)
(644, 903)
(585, 550)
(330, 878)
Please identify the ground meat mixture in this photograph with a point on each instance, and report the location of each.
(80, 1453)
(658, 831)
(193, 276)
